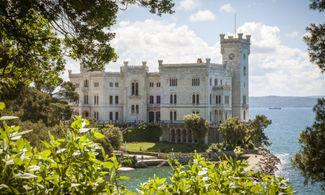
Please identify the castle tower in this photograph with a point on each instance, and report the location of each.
(235, 52)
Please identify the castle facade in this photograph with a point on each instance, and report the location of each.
(215, 91)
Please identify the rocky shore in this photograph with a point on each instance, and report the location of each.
(263, 161)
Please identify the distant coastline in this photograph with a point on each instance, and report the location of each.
(282, 101)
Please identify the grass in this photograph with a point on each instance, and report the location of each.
(164, 147)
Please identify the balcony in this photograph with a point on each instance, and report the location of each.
(222, 87)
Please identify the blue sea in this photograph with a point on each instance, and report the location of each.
(287, 123)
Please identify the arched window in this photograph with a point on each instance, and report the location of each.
(193, 99)
(197, 99)
(245, 71)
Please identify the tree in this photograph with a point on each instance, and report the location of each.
(67, 91)
(315, 38)
(311, 154)
(197, 125)
(34, 105)
(256, 130)
(236, 133)
(233, 132)
(36, 35)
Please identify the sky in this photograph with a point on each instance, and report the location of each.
(278, 62)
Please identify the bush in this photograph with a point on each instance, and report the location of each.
(203, 177)
(129, 162)
(112, 138)
(40, 132)
(144, 133)
(66, 166)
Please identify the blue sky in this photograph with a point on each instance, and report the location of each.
(279, 63)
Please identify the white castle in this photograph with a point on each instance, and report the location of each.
(215, 91)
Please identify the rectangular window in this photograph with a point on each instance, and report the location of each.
(132, 109)
(175, 116)
(158, 84)
(151, 84)
(96, 84)
(158, 99)
(196, 82)
(116, 116)
(96, 116)
(227, 99)
(86, 99)
(151, 100)
(210, 82)
(96, 98)
(210, 98)
(133, 89)
(175, 99)
(137, 109)
(171, 115)
(111, 84)
(110, 116)
(110, 99)
(215, 82)
(116, 99)
(86, 83)
(116, 84)
(136, 89)
(173, 82)
(171, 99)
(218, 99)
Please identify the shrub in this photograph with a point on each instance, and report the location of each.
(203, 177)
(66, 166)
(144, 133)
(197, 125)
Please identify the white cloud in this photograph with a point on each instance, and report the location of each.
(227, 8)
(292, 34)
(151, 40)
(277, 69)
(189, 4)
(202, 16)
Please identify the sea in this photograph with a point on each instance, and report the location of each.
(287, 123)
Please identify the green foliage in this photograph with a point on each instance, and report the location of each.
(233, 132)
(311, 154)
(315, 38)
(37, 35)
(34, 105)
(203, 177)
(256, 129)
(41, 132)
(129, 162)
(66, 166)
(246, 135)
(67, 92)
(112, 139)
(144, 133)
(197, 125)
